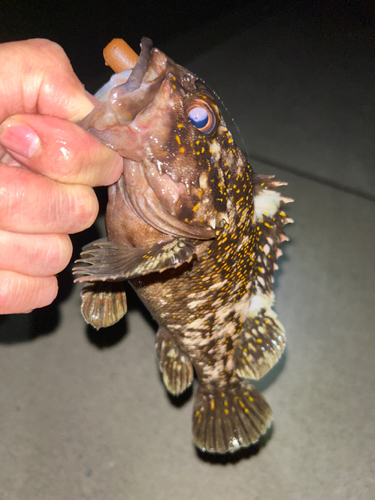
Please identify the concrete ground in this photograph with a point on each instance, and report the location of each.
(84, 414)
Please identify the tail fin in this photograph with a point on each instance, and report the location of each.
(228, 418)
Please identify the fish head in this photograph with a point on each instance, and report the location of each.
(165, 123)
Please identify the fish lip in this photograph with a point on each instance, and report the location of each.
(136, 76)
(133, 83)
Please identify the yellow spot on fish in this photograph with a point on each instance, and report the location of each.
(259, 341)
(178, 139)
(195, 208)
(251, 399)
(212, 404)
(226, 411)
(180, 125)
(182, 149)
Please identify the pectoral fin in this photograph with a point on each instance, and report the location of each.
(105, 260)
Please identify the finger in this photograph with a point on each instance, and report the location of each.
(60, 150)
(22, 294)
(32, 203)
(34, 254)
(8, 160)
(36, 77)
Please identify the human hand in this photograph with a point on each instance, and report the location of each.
(48, 166)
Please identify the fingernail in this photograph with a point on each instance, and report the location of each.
(19, 139)
(92, 98)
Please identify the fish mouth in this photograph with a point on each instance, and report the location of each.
(137, 118)
(127, 97)
(136, 76)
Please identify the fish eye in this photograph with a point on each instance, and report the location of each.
(201, 115)
(198, 117)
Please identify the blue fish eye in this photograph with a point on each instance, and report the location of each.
(202, 114)
(198, 117)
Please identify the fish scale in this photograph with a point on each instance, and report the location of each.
(197, 234)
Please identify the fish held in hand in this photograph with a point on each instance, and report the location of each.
(196, 233)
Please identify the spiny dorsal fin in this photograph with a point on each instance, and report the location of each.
(269, 220)
(262, 339)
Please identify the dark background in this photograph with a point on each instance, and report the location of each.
(84, 28)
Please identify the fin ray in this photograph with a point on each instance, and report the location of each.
(269, 220)
(176, 368)
(262, 339)
(103, 304)
(106, 260)
(226, 419)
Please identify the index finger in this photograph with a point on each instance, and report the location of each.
(36, 77)
(65, 153)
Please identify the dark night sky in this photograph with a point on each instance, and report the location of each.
(85, 27)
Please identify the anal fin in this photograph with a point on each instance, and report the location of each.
(230, 417)
(103, 304)
(175, 366)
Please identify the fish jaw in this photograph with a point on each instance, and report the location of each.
(135, 124)
(164, 180)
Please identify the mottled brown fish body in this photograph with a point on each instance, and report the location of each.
(196, 233)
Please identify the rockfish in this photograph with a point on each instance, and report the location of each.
(196, 233)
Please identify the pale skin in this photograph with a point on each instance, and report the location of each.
(48, 167)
